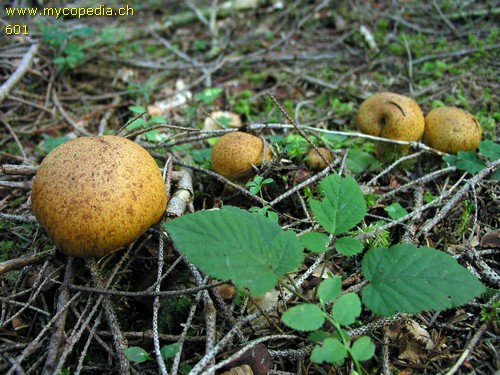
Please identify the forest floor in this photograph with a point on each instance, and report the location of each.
(296, 73)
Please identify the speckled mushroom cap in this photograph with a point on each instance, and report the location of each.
(392, 116)
(93, 195)
(234, 154)
(451, 129)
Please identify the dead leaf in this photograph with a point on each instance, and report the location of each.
(415, 342)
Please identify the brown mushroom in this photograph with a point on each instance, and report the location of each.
(234, 154)
(315, 161)
(451, 129)
(93, 195)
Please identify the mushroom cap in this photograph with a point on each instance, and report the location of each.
(93, 195)
(234, 154)
(210, 123)
(314, 161)
(392, 116)
(451, 129)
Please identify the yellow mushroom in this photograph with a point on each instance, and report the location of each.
(93, 195)
(234, 154)
(451, 129)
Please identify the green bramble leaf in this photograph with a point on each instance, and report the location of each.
(411, 279)
(250, 249)
(348, 246)
(490, 150)
(363, 348)
(304, 317)
(315, 241)
(346, 309)
(342, 206)
(329, 289)
(469, 162)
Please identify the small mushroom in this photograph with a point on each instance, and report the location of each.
(225, 118)
(315, 161)
(234, 154)
(451, 129)
(93, 195)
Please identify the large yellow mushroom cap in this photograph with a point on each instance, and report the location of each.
(234, 154)
(452, 129)
(94, 195)
(392, 116)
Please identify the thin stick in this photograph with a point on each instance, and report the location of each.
(68, 119)
(300, 131)
(470, 346)
(156, 308)
(21, 70)
(57, 339)
(14, 135)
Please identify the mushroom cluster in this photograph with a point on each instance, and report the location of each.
(393, 116)
(93, 195)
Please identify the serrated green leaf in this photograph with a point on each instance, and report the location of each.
(136, 354)
(490, 150)
(363, 348)
(469, 162)
(332, 351)
(342, 206)
(348, 246)
(329, 289)
(315, 241)
(406, 278)
(250, 249)
(395, 211)
(304, 317)
(346, 309)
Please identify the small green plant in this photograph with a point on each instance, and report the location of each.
(471, 162)
(138, 354)
(255, 253)
(209, 95)
(145, 122)
(75, 46)
(333, 347)
(255, 187)
(493, 314)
